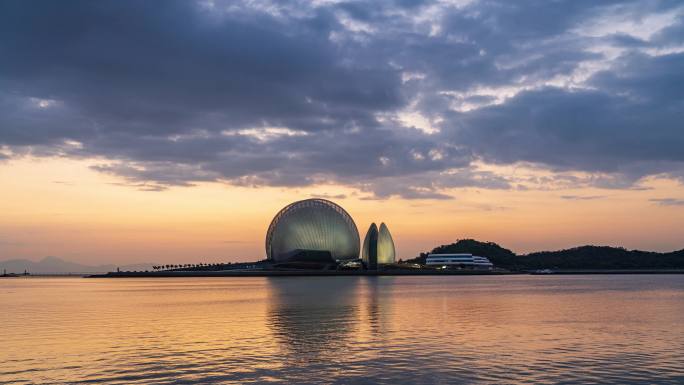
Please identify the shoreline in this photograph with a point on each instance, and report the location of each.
(611, 271)
(291, 273)
(333, 273)
(367, 273)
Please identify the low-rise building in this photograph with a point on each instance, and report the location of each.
(460, 260)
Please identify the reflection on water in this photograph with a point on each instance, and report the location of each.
(312, 325)
(395, 330)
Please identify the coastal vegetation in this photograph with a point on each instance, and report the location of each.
(583, 257)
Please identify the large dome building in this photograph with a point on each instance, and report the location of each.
(312, 226)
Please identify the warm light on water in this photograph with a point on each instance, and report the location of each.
(395, 330)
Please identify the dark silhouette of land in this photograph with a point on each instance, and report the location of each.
(577, 258)
(292, 273)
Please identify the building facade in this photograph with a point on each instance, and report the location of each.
(378, 247)
(312, 225)
(462, 260)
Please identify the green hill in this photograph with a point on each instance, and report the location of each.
(603, 257)
(584, 257)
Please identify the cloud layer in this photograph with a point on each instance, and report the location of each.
(393, 98)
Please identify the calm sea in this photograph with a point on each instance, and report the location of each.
(348, 330)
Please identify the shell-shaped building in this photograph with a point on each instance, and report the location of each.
(312, 224)
(369, 252)
(378, 246)
(386, 252)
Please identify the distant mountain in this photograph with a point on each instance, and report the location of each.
(58, 265)
(583, 257)
(602, 257)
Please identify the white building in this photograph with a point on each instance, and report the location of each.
(482, 263)
(468, 261)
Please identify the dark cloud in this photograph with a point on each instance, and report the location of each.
(582, 197)
(671, 35)
(146, 186)
(290, 93)
(668, 201)
(329, 196)
(628, 124)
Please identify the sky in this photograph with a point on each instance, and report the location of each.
(134, 131)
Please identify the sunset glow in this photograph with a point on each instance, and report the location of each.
(57, 206)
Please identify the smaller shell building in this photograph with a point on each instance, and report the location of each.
(378, 247)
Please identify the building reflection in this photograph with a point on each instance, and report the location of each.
(376, 308)
(313, 318)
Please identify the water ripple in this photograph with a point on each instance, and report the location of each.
(351, 330)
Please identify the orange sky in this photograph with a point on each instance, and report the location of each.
(60, 207)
